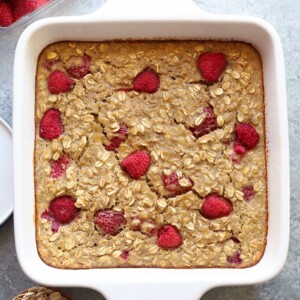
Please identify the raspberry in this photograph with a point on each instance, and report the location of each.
(115, 142)
(136, 164)
(109, 221)
(123, 130)
(146, 81)
(49, 63)
(79, 66)
(148, 227)
(6, 14)
(177, 185)
(211, 66)
(239, 148)
(23, 7)
(208, 124)
(59, 82)
(121, 136)
(125, 254)
(248, 192)
(59, 167)
(49, 216)
(41, 3)
(246, 136)
(168, 237)
(215, 206)
(51, 126)
(63, 209)
(235, 258)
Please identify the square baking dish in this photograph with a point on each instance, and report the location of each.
(135, 19)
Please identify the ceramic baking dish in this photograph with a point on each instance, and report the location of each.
(137, 19)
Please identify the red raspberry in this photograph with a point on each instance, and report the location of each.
(172, 184)
(123, 130)
(235, 259)
(79, 66)
(59, 82)
(168, 237)
(109, 221)
(239, 148)
(211, 66)
(208, 125)
(121, 136)
(246, 136)
(49, 216)
(136, 164)
(59, 167)
(125, 254)
(49, 63)
(51, 126)
(6, 14)
(215, 206)
(41, 3)
(23, 7)
(115, 142)
(63, 209)
(147, 81)
(248, 192)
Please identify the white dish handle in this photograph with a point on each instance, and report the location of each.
(148, 291)
(154, 9)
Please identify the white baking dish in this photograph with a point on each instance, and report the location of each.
(138, 19)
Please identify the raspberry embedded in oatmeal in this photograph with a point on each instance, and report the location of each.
(59, 82)
(125, 254)
(246, 137)
(168, 237)
(59, 167)
(109, 221)
(215, 206)
(136, 164)
(51, 125)
(176, 183)
(49, 63)
(239, 148)
(211, 66)
(120, 136)
(146, 81)
(208, 124)
(64, 209)
(61, 211)
(234, 259)
(248, 192)
(79, 66)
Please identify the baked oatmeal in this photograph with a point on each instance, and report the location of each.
(150, 154)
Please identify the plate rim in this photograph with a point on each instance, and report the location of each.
(6, 214)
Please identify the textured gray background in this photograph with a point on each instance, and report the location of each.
(284, 16)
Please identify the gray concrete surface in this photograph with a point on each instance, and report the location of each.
(284, 16)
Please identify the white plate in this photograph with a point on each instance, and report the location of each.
(6, 172)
